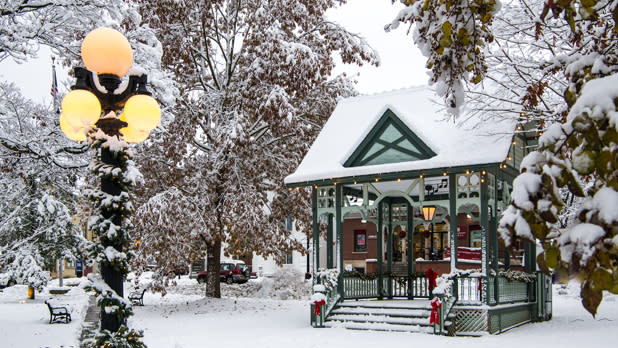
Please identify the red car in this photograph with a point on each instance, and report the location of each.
(229, 272)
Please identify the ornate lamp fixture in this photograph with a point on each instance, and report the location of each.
(104, 109)
(130, 113)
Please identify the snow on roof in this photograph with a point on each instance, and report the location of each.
(474, 143)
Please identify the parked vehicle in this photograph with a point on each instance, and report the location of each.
(229, 272)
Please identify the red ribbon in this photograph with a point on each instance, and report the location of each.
(434, 318)
(318, 304)
(431, 276)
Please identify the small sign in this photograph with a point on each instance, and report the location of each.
(462, 232)
(78, 266)
(372, 236)
(360, 239)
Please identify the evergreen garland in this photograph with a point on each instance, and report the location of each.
(516, 275)
(106, 232)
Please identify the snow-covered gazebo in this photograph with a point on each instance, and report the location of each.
(399, 188)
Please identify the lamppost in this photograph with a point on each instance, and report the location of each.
(428, 212)
(105, 110)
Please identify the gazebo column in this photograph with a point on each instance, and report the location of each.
(410, 243)
(389, 248)
(339, 228)
(485, 252)
(452, 195)
(379, 252)
(494, 225)
(329, 242)
(316, 233)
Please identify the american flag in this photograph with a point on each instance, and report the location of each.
(54, 88)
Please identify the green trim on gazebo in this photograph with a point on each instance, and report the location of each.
(389, 141)
(411, 174)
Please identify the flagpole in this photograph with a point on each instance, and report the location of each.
(54, 87)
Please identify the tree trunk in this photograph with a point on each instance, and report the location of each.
(213, 259)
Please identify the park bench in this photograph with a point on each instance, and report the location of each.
(57, 314)
(137, 297)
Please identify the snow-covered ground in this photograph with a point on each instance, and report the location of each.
(184, 319)
(25, 323)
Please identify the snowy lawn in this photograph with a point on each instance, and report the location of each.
(185, 319)
(25, 323)
(179, 320)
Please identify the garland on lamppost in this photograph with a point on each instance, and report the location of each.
(108, 119)
(112, 250)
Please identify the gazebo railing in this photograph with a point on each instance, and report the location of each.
(502, 290)
(469, 289)
(332, 298)
(358, 286)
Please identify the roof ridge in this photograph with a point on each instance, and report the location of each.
(389, 92)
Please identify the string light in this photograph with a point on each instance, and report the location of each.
(467, 171)
(421, 176)
(377, 179)
(444, 174)
(398, 179)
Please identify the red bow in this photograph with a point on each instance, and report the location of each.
(318, 304)
(434, 318)
(431, 276)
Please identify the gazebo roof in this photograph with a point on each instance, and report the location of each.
(341, 149)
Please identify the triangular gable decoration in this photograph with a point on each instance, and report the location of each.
(390, 141)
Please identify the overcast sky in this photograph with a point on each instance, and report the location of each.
(402, 64)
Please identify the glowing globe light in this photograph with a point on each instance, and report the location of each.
(107, 51)
(75, 134)
(81, 108)
(133, 135)
(142, 112)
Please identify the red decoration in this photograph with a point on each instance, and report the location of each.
(318, 304)
(434, 318)
(480, 284)
(431, 275)
(402, 234)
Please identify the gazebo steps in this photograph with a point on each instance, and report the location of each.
(401, 316)
(370, 326)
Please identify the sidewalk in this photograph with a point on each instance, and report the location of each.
(91, 321)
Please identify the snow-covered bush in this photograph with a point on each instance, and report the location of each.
(328, 277)
(285, 284)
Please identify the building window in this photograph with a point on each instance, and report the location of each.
(70, 263)
(360, 241)
(288, 259)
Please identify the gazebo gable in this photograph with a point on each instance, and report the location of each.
(389, 141)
